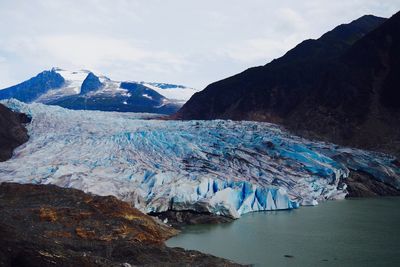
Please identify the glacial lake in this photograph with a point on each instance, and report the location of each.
(352, 232)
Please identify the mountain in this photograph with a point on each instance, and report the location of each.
(85, 90)
(342, 87)
(12, 131)
(45, 225)
(33, 88)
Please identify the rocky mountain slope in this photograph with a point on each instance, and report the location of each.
(45, 225)
(342, 87)
(12, 131)
(86, 90)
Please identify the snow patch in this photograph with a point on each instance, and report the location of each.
(73, 79)
(147, 96)
(178, 94)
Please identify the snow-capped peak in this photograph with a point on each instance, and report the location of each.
(84, 89)
(74, 80)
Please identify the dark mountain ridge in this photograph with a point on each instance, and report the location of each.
(341, 87)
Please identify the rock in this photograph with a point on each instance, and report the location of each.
(91, 83)
(45, 225)
(12, 131)
(179, 219)
(361, 184)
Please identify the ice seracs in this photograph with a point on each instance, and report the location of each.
(223, 167)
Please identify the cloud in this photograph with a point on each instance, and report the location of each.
(291, 29)
(259, 50)
(100, 50)
(81, 51)
(188, 42)
(290, 20)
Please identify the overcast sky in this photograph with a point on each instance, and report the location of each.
(190, 42)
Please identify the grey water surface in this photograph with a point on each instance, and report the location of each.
(352, 232)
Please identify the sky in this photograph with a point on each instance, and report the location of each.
(189, 42)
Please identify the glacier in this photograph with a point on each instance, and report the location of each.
(223, 167)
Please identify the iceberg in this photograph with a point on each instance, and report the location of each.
(224, 167)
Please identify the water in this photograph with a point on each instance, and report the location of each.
(355, 232)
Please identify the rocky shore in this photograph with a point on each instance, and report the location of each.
(45, 225)
(361, 184)
(180, 218)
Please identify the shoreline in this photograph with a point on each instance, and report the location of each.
(46, 225)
